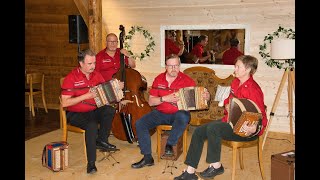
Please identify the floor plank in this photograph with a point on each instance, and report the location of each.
(42, 122)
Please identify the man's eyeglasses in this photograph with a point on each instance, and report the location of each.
(173, 66)
(112, 41)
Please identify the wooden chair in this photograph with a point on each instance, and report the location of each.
(35, 86)
(67, 127)
(162, 128)
(235, 145)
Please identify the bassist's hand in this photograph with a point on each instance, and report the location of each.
(121, 85)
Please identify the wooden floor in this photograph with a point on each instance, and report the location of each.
(42, 122)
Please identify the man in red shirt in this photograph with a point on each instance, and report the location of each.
(108, 59)
(163, 96)
(198, 50)
(170, 46)
(243, 86)
(230, 55)
(81, 107)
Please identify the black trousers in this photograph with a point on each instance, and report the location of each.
(89, 121)
(214, 132)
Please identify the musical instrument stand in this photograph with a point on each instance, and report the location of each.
(108, 154)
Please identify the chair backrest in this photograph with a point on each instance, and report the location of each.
(35, 80)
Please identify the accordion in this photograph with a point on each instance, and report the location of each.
(243, 111)
(107, 93)
(191, 98)
(55, 156)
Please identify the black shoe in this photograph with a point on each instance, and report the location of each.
(186, 176)
(105, 146)
(91, 168)
(168, 150)
(142, 163)
(211, 172)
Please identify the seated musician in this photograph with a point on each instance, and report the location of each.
(81, 107)
(108, 59)
(163, 96)
(243, 86)
(198, 51)
(172, 46)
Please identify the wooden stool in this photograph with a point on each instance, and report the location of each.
(160, 130)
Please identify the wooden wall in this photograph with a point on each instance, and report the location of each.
(47, 47)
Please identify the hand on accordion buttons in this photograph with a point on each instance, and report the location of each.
(249, 129)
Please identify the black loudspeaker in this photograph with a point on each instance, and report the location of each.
(78, 31)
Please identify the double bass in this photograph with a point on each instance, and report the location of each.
(123, 124)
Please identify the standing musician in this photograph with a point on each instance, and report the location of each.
(108, 59)
(243, 86)
(163, 96)
(81, 107)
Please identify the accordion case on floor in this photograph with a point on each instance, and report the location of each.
(107, 93)
(241, 111)
(191, 99)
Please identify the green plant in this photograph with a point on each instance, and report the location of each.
(265, 47)
(147, 36)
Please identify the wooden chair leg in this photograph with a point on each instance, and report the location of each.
(29, 98)
(184, 138)
(44, 102)
(65, 134)
(241, 158)
(260, 158)
(158, 143)
(84, 147)
(32, 106)
(234, 161)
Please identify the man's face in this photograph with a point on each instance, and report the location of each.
(204, 42)
(88, 65)
(173, 67)
(112, 42)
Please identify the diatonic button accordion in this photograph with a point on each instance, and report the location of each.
(107, 93)
(242, 111)
(191, 98)
(55, 156)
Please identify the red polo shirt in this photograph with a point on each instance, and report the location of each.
(108, 65)
(250, 90)
(160, 88)
(230, 55)
(76, 84)
(170, 47)
(197, 50)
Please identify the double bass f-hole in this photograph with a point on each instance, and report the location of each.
(137, 101)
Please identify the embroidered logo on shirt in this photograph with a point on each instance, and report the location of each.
(161, 86)
(79, 83)
(106, 60)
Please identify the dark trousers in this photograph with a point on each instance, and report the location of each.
(178, 120)
(214, 132)
(89, 122)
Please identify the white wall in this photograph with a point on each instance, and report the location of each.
(263, 17)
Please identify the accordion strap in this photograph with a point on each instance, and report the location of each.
(85, 102)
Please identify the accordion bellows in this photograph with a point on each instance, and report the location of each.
(107, 93)
(241, 111)
(191, 98)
